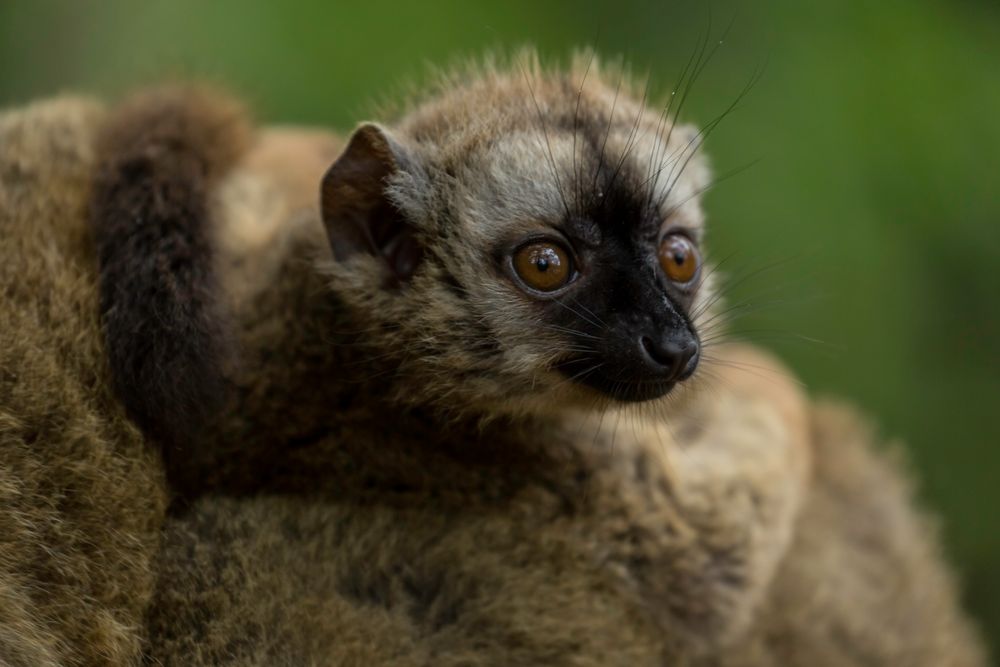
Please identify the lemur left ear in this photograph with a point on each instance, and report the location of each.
(358, 214)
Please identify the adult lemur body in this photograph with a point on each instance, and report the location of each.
(390, 422)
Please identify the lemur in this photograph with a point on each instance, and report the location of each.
(441, 394)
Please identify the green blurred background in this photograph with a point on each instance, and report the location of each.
(874, 205)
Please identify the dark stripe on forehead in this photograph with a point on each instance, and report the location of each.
(614, 195)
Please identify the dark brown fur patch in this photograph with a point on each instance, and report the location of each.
(159, 156)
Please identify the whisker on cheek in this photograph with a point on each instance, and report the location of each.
(570, 331)
(764, 372)
(600, 322)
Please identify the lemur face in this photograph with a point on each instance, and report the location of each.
(525, 238)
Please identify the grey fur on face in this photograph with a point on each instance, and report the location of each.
(496, 160)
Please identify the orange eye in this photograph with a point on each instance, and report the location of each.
(679, 258)
(543, 265)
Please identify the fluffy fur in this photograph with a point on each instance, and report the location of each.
(162, 154)
(349, 504)
(82, 496)
(515, 577)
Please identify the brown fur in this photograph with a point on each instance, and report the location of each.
(160, 156)
(860, 584)
(333, 517)
(303, 582)
(82, 495)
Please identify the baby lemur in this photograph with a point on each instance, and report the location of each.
(461, 412)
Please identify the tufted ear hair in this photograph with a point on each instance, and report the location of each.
(357, 212)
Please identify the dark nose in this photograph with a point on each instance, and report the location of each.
(672, 359)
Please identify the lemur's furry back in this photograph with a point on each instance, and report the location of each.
(160, 156)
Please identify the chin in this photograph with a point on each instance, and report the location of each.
(633, 392)
(619, 387)
(594, 392)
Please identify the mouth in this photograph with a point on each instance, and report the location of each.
(618, 387)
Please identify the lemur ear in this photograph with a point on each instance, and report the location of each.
(358, 214)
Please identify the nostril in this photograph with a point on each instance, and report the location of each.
(677, 361)
(692, 354)
(664, 353)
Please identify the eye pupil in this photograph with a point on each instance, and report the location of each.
(679, 258)
(544, 266)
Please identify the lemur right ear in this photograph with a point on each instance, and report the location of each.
(357, 213)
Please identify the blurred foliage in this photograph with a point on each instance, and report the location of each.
(871, 220)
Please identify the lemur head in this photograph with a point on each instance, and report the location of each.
(523, 238)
